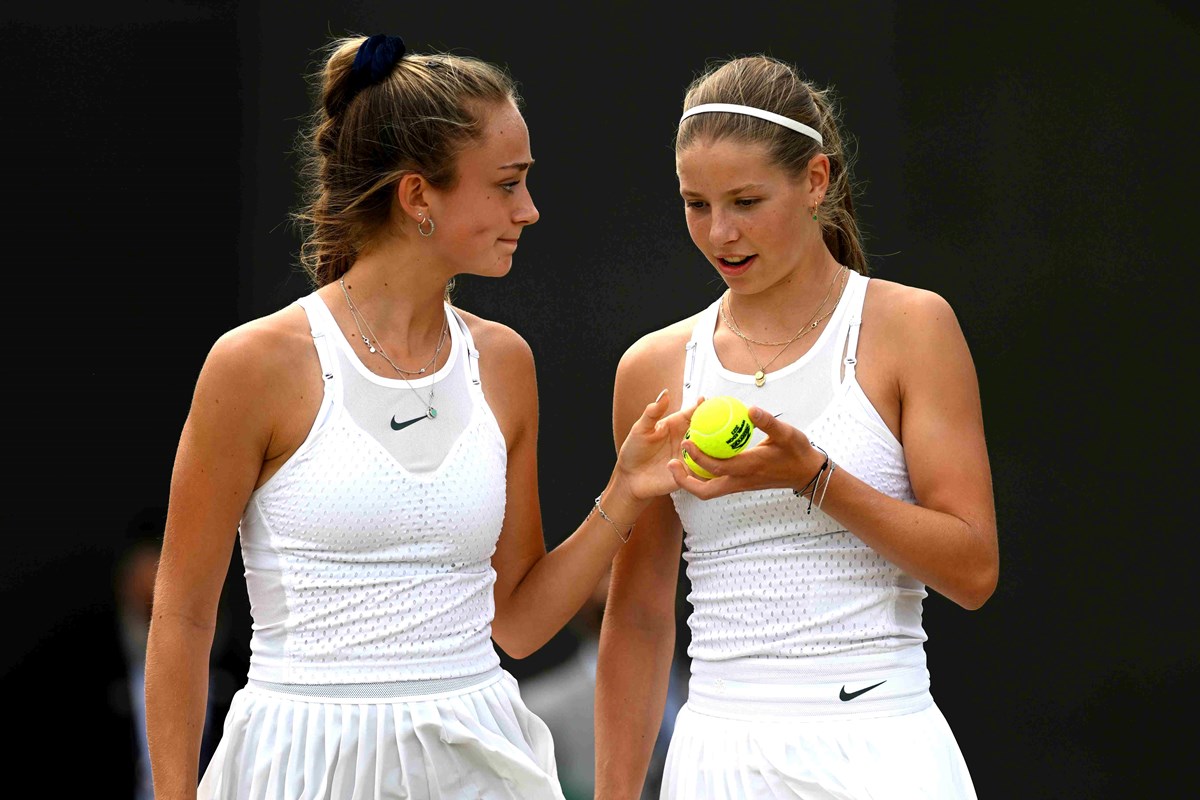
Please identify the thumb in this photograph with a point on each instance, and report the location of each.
(763, 420)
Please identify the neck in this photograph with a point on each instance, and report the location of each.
(398, 309)
(400, 297)
(777, 311)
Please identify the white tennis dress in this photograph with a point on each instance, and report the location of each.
(807, 649)
(372, 670)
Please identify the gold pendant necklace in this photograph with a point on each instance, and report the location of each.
(760, 377)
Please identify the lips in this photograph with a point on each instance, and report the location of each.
(734, 270)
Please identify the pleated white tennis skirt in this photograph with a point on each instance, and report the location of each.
(752, 730)
(437, 740)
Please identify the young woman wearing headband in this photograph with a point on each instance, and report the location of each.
(373, 448)
(809, 553)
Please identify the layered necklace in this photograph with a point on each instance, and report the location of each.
(760, 377)
(373, 346)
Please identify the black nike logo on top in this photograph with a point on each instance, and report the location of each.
(399, 426)
(844, 695)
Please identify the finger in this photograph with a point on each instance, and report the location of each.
(762, 419)
(688, 481)
(732, 466)
(684, 414)
(771, 426)
(653, 412)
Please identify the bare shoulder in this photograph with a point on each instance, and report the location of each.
(904, 306)
(259, 388)
(265, 350)
(497, 342)
(908, 315)
(652, 363)
(658, 351)
(506, 369)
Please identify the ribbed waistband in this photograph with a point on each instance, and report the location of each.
(406, 691)
(884, 684)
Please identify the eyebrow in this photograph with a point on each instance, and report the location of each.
(744, 189)
(518, 165)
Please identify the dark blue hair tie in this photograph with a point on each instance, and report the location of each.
(374, 61)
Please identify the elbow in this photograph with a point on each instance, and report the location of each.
(974, 593)
(513, 648)
(515, 642)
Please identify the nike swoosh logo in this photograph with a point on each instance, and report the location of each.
(844, 695)
(399, 426)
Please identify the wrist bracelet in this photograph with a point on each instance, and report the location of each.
(815, 483)
(608, 519)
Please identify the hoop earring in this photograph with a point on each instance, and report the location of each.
(421, 221)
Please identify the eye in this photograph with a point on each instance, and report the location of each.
(694, 204)
(746, 202)
(510, 186)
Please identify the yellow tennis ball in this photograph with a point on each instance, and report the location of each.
(721, 428)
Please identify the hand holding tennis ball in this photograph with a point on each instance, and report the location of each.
(721, 428)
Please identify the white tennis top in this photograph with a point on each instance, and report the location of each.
(768, 579)
(360, 570)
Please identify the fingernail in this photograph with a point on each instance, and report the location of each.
(660, 394)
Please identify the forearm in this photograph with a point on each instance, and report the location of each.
(632, 679)
(948, 553)
(176, 699)
(561, 581)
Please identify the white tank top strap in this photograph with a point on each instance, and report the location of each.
(701, 336)
(472, 359)
(859, 284)
(319, 320)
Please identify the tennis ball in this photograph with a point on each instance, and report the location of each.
(721, 428)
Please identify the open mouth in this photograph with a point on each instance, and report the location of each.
(735, 265)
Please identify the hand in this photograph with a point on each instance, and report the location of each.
(785, 459)
(652, 444)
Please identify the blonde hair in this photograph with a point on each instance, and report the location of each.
(772, 85)
(360, 140)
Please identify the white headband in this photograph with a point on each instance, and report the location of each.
(750, 111)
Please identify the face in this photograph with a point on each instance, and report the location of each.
(480, 220)
(751, 219)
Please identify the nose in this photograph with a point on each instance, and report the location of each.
(722, 228)
(527, 213)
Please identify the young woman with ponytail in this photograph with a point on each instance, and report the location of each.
(373, 448)
(810, 552)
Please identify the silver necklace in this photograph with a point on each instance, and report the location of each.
(760, 377)
(373, 345)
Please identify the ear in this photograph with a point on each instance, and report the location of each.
(818, 176)
(411, 195)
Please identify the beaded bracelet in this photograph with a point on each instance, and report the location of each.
(608, 519)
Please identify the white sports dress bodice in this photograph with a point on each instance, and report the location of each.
(360, 570)
(769, 579)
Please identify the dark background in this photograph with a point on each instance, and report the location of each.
(1034, 163)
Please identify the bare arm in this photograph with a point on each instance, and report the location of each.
(948, 539)
(221, 452)
(536, 592)
(637, 639)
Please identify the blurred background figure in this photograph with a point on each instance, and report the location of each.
(95, 660)
(563, 696)
(133, 588)
(134, 591)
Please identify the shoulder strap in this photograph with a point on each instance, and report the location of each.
(703, 328)
(319, 320)
(471, 354)
(856, 309)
